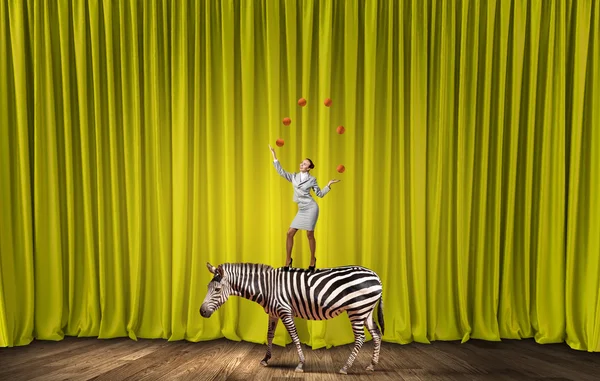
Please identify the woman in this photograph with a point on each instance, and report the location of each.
(308, 210)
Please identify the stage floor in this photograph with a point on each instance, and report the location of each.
(120, 359)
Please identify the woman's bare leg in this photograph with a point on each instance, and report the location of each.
(289, 244)
(313, 246)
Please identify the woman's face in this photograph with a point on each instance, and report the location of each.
(304, 166)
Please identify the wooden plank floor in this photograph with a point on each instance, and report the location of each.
(125, 359)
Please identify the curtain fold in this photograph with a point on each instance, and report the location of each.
(133, 150)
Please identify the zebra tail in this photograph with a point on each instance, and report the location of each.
(380, 315)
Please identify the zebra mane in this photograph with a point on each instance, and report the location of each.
(254, 267)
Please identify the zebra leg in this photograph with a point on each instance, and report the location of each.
(288, 321)
(358, 327)
(273, 320)
(376, 333)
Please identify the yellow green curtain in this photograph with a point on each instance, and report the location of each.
(134, 149)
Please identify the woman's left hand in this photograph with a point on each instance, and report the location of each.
(333, 181)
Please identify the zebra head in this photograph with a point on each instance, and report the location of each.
(219, 290)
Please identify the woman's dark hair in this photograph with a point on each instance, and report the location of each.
(311, 166)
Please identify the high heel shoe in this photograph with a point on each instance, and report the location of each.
(288, 266)
(312, 268)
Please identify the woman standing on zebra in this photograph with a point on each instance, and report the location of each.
(308, 209)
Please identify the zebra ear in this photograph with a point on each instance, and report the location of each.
(220, 271)
(211, 268)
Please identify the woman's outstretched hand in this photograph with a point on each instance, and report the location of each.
(273, 152)
(333, 181)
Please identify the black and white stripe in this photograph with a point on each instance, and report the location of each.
(312, 295)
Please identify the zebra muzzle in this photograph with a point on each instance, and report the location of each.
(205, 312)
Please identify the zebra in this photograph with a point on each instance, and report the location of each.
(320, 294)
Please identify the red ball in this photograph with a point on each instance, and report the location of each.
(341, 168)
(301, 102)
(286, 121)
(340, 130)
(328, 102)
(279, 142)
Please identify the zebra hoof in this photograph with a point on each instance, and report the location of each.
(343, 371)
(371, 368)
(263, 363)
(299, 369)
